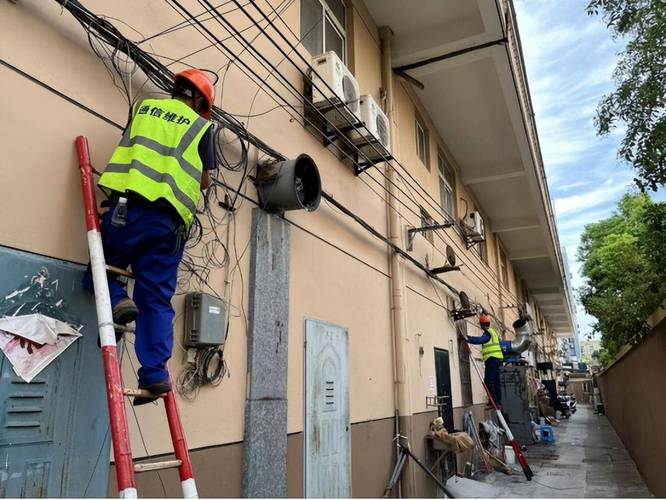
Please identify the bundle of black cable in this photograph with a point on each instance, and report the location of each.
(208, 368)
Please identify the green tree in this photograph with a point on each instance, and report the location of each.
(640, 76)
(623, 265)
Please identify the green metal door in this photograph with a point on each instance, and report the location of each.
(54, 438)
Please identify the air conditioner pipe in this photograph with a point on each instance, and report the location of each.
(523, 338)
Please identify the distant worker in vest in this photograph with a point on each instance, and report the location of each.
(492, 357)
(155, 177)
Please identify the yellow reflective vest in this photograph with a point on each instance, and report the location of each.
(158, 156)
(492, 348)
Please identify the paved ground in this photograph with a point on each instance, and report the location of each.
(587, 460)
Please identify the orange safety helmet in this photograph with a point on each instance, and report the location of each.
(484, 318)
(202, 83)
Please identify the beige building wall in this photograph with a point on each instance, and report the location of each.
(40, 197)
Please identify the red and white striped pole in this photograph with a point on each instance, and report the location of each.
(187, 483)
(122, 452)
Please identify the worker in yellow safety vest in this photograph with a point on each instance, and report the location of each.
(155, 179)
(491, 351)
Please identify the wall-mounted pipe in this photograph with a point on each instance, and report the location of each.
(523, 336)
(401, 345)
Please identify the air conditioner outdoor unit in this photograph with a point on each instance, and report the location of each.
(332, 81)
(374, 140)
(474, 227)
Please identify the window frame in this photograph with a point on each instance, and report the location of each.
(419, 123)
(482, 250)
(442, 166)
(340, 29)
(503, 266)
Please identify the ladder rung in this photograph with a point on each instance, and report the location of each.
(150, 466)
(142, 393)
(117, 270)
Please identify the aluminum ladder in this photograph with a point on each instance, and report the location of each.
(115, 393)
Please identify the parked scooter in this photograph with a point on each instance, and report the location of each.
(566, 404)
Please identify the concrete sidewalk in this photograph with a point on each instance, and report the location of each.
(587, 460)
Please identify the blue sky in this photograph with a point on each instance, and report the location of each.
(570, 58)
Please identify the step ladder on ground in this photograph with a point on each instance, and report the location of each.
(122, 451)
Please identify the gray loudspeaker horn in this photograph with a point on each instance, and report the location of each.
(289, 185)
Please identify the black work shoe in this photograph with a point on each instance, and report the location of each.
(125, 312)
(158, 389)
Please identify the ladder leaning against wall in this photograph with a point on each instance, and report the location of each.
(122, 451)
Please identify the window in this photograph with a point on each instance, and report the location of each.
(504, 271)
(482, 249)
(447, 187)
(422, 142)
(426, 220)
(323, 26)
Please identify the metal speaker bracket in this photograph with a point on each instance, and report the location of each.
(412, 231)
(458, 314)
(450, 265)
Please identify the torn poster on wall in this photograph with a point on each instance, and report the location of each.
(35, 325)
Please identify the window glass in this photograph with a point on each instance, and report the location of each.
(421, 144)
(441, 164)
(447, 183)
(337, 8)
(323, 26)
(312, 16)
(483, 251)
(334, 40)
(446, 198)
(503, 268)
(426, 220)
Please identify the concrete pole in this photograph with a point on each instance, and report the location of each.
(264, 468)
(401, 345)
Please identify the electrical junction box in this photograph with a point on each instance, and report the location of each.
(205, 320)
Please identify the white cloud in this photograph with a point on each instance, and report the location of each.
(569, 58)
(573, 185)
(575, 223)
(607, 193)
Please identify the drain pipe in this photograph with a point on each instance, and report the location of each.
(402, 388)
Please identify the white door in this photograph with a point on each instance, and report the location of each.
(327, 429)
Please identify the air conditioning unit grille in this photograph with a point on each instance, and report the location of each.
(349, 91)
(382, 129)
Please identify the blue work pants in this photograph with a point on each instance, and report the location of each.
(492, 379)
(152, 243)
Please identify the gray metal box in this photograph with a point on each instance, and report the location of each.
(205, 320)
(515, 401)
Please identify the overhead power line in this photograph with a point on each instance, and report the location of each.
(162, 77)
